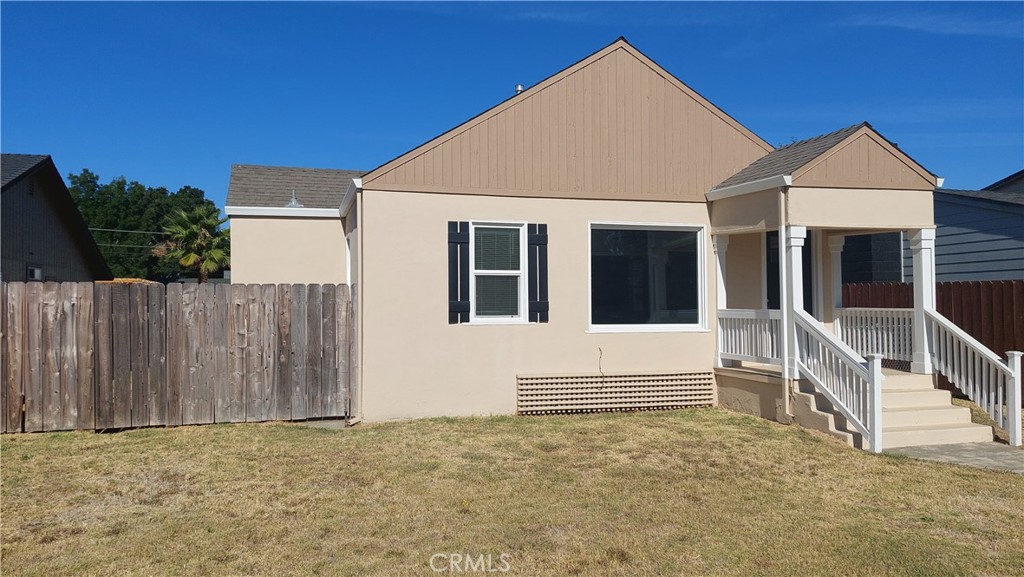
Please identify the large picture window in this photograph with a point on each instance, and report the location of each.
(497, 272)
(646, 277)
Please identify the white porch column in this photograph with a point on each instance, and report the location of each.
(720, 242)
(836, 250)
(795, 236)
(922, 243)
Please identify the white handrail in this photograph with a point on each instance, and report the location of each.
(852, 384)
(979, 373)
(885, 331)
(750, 335)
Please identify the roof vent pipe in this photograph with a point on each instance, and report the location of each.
(294, 202)
(519, 88)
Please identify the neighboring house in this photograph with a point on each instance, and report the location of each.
(44, 237)
(286, 226)
(610, 239)
(979, 234)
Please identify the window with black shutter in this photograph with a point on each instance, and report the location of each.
(497, 273)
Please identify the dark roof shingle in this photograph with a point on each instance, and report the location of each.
(787, 159)
(272, 186)
(1012, 197)
(14, 166)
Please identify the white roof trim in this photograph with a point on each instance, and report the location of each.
(350, 195)
(282, 211)
(749, 187)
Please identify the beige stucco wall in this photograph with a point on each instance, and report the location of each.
(415, 364)
(755, 211)
(287, 250)
(860, 208)
(744, 267)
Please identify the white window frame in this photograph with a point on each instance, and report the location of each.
(523, 317)
(701, 326)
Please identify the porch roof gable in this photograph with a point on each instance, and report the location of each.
(794, 160)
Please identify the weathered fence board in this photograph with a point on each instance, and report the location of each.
(111, 356)
(33, 391)
(156, 357)
(298, 348)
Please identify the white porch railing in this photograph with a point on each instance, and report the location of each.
(869, 331)
(750, 335)
(979, 373)
(852, 384)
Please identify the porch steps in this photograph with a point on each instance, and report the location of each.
(914, 413)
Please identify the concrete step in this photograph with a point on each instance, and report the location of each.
(903, 381)
(913, 435)
(906, 398)
(908, 416)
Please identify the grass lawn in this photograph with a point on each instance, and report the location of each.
(661, 493)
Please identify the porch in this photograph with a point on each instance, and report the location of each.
(778, 234)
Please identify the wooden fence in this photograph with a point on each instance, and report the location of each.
(111, 356)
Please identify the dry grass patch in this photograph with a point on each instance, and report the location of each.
(690, 492)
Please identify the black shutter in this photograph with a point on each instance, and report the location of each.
(458, 272)
(537, 271)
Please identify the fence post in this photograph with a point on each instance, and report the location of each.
(1013, 389)
(875, 368)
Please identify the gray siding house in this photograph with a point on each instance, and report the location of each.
(979, 235)
(42, 235)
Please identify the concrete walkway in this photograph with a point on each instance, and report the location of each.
(981, 455)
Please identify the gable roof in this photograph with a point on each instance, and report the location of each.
(254, 185)
(616, 97)
(1009, 197)
(802, 157)
(16, 167)
(1014, 182)
(13, 167)
(785, 160)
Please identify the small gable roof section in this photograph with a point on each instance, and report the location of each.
(853, 157)
(613, 126)
(271, 186)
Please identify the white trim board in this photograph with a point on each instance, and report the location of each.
(282, 212)
(769, 183)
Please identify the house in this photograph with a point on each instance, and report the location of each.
(609, 239)
(286, 226)
(44, 237)
(980, 233)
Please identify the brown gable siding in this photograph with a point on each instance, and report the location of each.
(865, 160)
(613, 126)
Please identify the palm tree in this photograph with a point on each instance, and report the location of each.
(196, 242)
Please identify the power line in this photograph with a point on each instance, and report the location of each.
(128, 231)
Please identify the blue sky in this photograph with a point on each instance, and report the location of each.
(171, 94)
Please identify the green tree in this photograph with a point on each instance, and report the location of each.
(123, 205)
(195, 241)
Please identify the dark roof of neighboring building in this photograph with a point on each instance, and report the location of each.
(15, 167)
(1010, 197)
(787, 159)
(1014, 182)
(272, 186)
